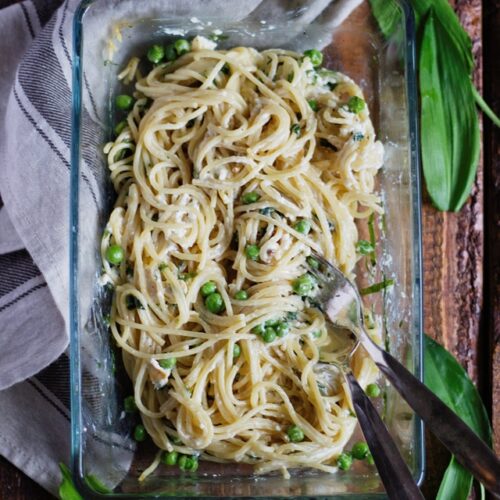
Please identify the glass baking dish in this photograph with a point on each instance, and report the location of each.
(106, 34)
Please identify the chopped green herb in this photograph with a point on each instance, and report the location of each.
(290, 77)
(190, 123)
(331, 85)
(295, 129)
(187, 276)
(364, 247)
(226, 69)
(371, 231)
(120, 126)
(217, 38)
(357, 136)
(313, 104)
(322, 389)
(267, 211)
(317, 334)
(133, 302)
(377, 287)
(292, 315)
(162, 266)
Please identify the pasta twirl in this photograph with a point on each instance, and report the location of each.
(232, 166)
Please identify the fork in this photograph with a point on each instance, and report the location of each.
(341, 303)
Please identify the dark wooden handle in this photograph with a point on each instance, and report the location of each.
(396, 477)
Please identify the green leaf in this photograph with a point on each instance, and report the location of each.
(67, 490)
(450, 382)
(388, 15)
(449, 123)
(96, 484)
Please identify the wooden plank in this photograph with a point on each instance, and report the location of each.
(492, 208)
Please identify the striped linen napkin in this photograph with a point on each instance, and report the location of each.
(35, 138)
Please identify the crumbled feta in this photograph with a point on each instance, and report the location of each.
(202, 43)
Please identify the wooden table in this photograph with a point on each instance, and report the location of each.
(461, 263)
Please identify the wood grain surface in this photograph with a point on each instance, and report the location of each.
(461, 263)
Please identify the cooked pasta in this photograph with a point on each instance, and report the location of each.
(231, 167)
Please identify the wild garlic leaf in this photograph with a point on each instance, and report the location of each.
(67, 490)
(449, 123)
(388, 14)
(449, 381)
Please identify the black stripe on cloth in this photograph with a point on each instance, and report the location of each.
(53, 102)
(45, 9)
(16, 268)
(55, 378)
(28, 20)
(20, 297)
(52, 145)
(35, 382)
(61, 411)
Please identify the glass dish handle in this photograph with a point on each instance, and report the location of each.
(452, 431)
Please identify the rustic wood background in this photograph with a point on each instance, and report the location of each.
(461, 263)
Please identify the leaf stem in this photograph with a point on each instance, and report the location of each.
(484, 107)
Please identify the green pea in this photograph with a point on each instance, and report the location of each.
(282, 329)
(170, 458)
(182, 46)
(115, 254)
(312, 262)
(182, 461)
(214, 303)
(360, 450)
(302, 226)
(170, 52)
(355, 104)
(344, 461)
(303, 284)
(295, 434)
(124, 102)
(167, 363)
(313, 104)
(272, 322)
(251, 197)
(236, 351)
(156, 53)
(120, 126)
(129, 404)
(373, 390)
(208, 288)
(252, 252)
(315, 56)
(241, 295)
(258, 329)
(139, 433)
(269, 335)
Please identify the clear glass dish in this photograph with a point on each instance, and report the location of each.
(106, 34)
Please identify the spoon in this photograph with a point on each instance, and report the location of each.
(340, 301)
